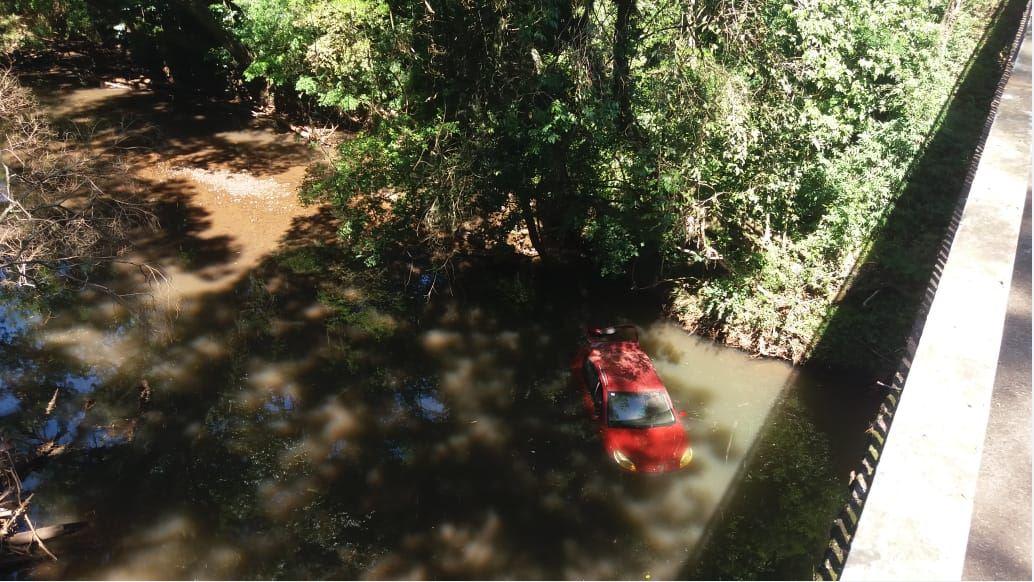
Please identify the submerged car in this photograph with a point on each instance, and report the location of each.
(640, 428)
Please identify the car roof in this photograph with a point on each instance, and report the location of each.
(626, 367)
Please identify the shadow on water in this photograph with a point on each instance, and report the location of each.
(391, 437)
(776, 526)
(302, 428)
(323, 419)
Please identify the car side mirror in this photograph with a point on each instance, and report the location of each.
(682, 414)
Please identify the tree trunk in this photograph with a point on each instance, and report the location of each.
(202, 15)
(622, 82)
(533, 228)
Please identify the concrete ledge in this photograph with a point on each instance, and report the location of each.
(916, 521)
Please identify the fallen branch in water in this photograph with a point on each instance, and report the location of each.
(19, 537)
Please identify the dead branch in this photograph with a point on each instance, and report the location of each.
(56, 221)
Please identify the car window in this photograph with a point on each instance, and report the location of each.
(639, 409)
(592, 382)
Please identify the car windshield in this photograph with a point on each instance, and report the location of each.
(639, 409)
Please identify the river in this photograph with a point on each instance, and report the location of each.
(268, 408)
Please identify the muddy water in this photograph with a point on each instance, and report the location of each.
(245, 418)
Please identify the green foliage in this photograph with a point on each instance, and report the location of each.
(360, 311)
(499, 125)
(878, 311)
(331, 50)
(867, 81)
(187, 43)
(13, 33)
(760, 144)
(302, 261)
(357, 316)
(32, 22)
(516, 293)
(751, 150)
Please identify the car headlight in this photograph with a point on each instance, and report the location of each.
(623, 461)
(687, 457)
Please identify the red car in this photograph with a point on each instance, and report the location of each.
(640, 428)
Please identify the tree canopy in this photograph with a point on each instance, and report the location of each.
(746, 150)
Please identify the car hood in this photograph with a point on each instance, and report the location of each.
(651, 449)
